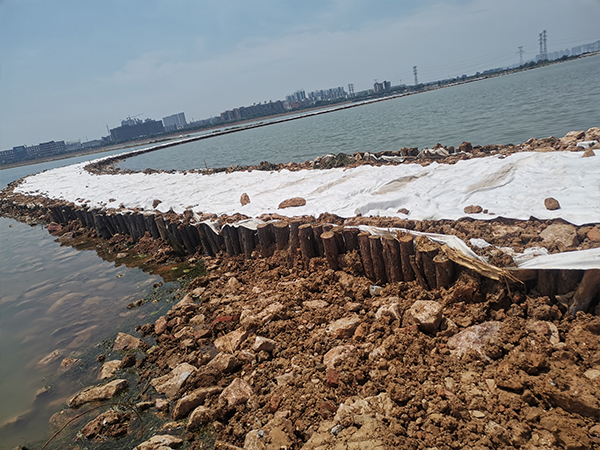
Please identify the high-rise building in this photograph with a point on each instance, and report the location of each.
(174, 122)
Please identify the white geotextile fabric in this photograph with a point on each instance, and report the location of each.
(513, 187)
(579, 260)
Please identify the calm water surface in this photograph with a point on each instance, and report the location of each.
(548, 101)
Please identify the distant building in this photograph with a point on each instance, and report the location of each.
(174, 122)
(296, 97)
(254, 111)
(379, 88)
(327, 94)
(135, 128)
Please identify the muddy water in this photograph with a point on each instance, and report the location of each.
(54, 297)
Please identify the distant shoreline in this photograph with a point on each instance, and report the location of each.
(168, 141)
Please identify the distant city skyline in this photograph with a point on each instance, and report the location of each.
(69, 69)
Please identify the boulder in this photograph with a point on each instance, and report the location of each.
(315, 304)
(473, 209)
(224, 362)
(200, 415)
(230, 342)
(344, 327)
(392, 310)
(337, 354)
(171, 383)
(560, 234)
(264, 344)
(66, 364)
(551, 204)
(292, 202)
(109, 368)
(238, 392)
(593, 134)
(96, 393)
(125, 342)
(244, 199)
(426, 314)
(160, 326)
(160, 442)
(588, 153)
(573, 136)
(109, 424)
(474, 338)
(192, 400)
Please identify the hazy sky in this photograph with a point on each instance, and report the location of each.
(69, 68)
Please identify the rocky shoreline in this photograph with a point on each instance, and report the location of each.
(272, 349)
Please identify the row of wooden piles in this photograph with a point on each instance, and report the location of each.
(392, 257)
(389, 258)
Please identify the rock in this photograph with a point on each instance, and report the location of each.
(225, 362)
(333, 378)
(315, 304)
(551, 204)
(160, 442)
(264, 344)
(466, 147)
(344, 327)
(233, 284)
(593, 134)
(160, 326)
(200, 416)
(156, 202)
(190, 401)
(594, 234)
(474, 338)
(96, 393)
(403, 211)
(427, 315)
(50, 359)
(127, 361)
(573, 136)
(238, 392)
(392, 310)
(337, 354)
(292, 202)
(54, 227)
(244, 199)
(573, 394)
(66, 364)
(588, 153)
(271, 312)
(560, 234)
(546, 329)
(171, 383)
(108, 424)
(473, 209)
(592, 374)
(161, 404)
(125, 342)
(109, 368)
(231, 341)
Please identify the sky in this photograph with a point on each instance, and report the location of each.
(69, 69)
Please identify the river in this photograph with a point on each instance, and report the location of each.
(55, 297)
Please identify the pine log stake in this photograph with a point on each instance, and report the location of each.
(331, 250)
(247, 240)
(391, 257)
(177, 244)
(308, 247)
(141, 224)
(377, 258)
(231, 238)
(318, 231)
(418, 272)
(547, 281)
(206, 248)
(160, 225)
(365, 254)
(266, 239)
(586, 291)
(215, 240)
(294, 243)
(338, 235)
(101, 227)
(185, 237)
(444, 271)
(351, 239)
(151, 225)
(281, 231)
(407, 249)
(426, 251)
(192, 232)
(568, 280)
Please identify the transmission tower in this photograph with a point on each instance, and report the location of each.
(545, 48)
(415, 73)
(520, 52)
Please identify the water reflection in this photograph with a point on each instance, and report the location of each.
(55, 303)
